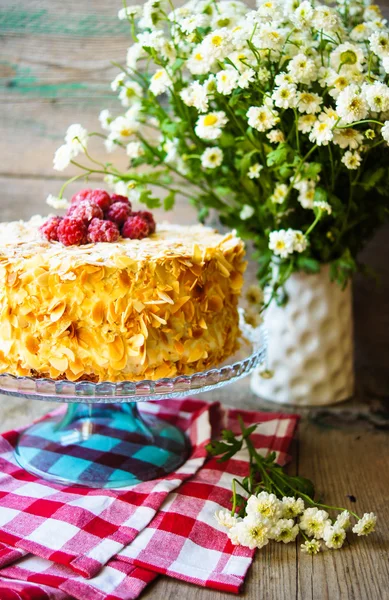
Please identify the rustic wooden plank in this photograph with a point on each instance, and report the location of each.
(345, 460)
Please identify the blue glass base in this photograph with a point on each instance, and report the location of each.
(102, 446)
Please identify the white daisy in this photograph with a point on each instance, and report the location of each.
(345, 55)
(212, 158)
(311, 547)
(343, 520)
(379, 43)
(306, 123)
(118, 82)
(321, 133)
(292, 507)
(250, 532)
(334, 536)
(284, 96)
(195, 95)
(57, 203)
(352, 160)
(275, 136)
(308, 102)
(76, 137)
(348, 138)
(134, 150)
(246, 78)
(351, 105)
(264, 506)
(322, 206)
(302, 69)
(281, 243)
(279, 194)
(246, 212)
(299, 240)
(226, 81)
(105, 118)
(160, 82)
(123, 127)
(62, 157)
(225, 519)
(199, 62)
(313, 522)
(365, 525)
(261, 118)
(130, 92)
(284, 530)
(377, 96)
(129, 12)
(385, 131)
(209, 127)
(303, 14)
(254, 171)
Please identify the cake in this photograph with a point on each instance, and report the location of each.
(157, 307)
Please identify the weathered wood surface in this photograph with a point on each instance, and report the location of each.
(55, 69)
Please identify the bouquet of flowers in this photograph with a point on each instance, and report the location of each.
(277, 118)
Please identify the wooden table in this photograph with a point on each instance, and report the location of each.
(55, 70)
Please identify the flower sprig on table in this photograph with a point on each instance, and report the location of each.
(272, 505)
(277, 118)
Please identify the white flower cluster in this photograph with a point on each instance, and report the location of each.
(286, 241)
(268, 518)
(76, 140)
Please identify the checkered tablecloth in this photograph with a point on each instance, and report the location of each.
(182, 540)
(91, 525)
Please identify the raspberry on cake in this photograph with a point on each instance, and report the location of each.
(135, 228)
(99, 197)
(161, 306)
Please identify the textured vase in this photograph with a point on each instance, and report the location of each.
(310, 344)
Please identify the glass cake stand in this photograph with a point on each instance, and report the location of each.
(102, 441)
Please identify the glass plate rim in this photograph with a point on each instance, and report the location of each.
(131, 391)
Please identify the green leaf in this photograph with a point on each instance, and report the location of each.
(312, 170)
(320, 195)
(372, 177)
(278, 156)
(307, 264)
(177, 64)
(169, 200)
(150, 201)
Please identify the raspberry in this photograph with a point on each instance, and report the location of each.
(102, 231)
(99, 197)
(148, 217)
(135, 228)
(117, 198)
(118, 213)
(49, 229)
(85, 210)
(72, 232)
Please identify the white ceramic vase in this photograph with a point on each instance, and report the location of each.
(310, 344)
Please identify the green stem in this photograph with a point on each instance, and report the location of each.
(71, 180)
(313, 225)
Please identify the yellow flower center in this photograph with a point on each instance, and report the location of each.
(216, 40)
(280, 245)
(210, 120)
(198, 56)
(158, 75)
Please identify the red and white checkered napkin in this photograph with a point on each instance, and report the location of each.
(83, 528)
(183, 540)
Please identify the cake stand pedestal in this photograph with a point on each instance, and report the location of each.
(103, 441)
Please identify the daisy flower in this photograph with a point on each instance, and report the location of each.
(365, 525)
(385, 131)
(57, 203)
(255, 171)
(351, 105)
(134, 150)
(261, 118)
(212, 158)
(62, 157)
(334, 536)
(105, 118)
(284, 530)
(306, 123)
(276, 136)
(345, 55)
(352, 160)
(302, 69)
(323, 206)
(292, 507)
(279, 194)
(308, 102)
(160, 82)
(264, 506)
(313, 522)
(348, 138)
(76, 137)
(281, 243)
(321, 133)
(343, 520)
(379, 43)
(250, 532)
(377, 96)
(284, 96)
(209, 126)
(311, 547)
(225, 519)
(246, 212)
(226, 81)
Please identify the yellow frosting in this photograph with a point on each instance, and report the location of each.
(130, 310)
